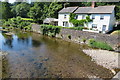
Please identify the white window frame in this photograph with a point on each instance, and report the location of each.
(93, 16)
(65, 24)
(93, 26)
(65, 16)
(102, 17)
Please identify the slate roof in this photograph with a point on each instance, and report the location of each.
(99, 9)
(68, 10)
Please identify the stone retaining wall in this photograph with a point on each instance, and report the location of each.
(78, 36)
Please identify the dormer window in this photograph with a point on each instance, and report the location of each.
(101, 17)
(65, 16)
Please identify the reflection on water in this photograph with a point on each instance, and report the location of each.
(33, 55)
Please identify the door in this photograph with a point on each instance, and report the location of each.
(65, 24)
(104, 28)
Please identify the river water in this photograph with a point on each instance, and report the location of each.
(32, 55)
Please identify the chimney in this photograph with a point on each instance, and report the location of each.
(93, 4)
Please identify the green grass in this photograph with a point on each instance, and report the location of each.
(27, 19)
(117, 32)
(102, 45)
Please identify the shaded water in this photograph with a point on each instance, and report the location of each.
(35, 56)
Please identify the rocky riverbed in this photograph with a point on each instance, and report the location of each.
(107, 59)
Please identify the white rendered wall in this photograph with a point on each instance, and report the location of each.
(109, 20)
(61, 19)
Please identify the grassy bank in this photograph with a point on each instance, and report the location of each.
(102, 45)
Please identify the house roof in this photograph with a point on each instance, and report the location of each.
(49, 20)
(68, 10)
(99, 9)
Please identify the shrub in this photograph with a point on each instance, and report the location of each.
(76, 22)
(117, 32)
(102, 45)
(84, 40)
(17, 23)
(50, 30)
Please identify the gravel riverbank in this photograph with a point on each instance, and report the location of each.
(107, 59)
(3, 53)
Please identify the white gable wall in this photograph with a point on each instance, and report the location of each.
(112, 21)
(61, 19)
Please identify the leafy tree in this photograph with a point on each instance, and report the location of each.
(22, 9)
(6, 10)
(51, 10)
(36, 12)
(40, 11)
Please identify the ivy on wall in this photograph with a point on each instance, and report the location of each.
(76, 22)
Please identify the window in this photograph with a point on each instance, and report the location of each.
(65, 16)
(83, 16)
(104, 28)
(101, 17)
(93, 16)
(94, 25)
(65, 24)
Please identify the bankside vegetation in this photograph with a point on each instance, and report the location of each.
(50, 30)
(102, 45)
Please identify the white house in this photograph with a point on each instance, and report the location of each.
(103, 17)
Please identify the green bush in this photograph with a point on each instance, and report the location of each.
(76, 22)
(50, 30)
(117, 32)
(17, 23)
(102, 45)
(84, 40)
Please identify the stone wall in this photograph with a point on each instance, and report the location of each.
(36, 28)
(78, 36)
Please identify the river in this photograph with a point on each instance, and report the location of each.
(32, 55)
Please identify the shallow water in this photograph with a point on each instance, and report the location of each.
(32, 55)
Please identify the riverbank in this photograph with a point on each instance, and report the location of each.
(107, 59)
(3, 53)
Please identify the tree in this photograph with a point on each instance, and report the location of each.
(51, 10)
(36, 12)
(6, 10)
(22, 9)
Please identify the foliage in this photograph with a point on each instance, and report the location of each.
(40, 11)
(50, 30)
(102, 45)
(22, 9)
(84, 40)
(27, 19)
(51, 10)
(17, 23)
(36, 12)
(79, 22)
(5, 11)
(117, 32)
